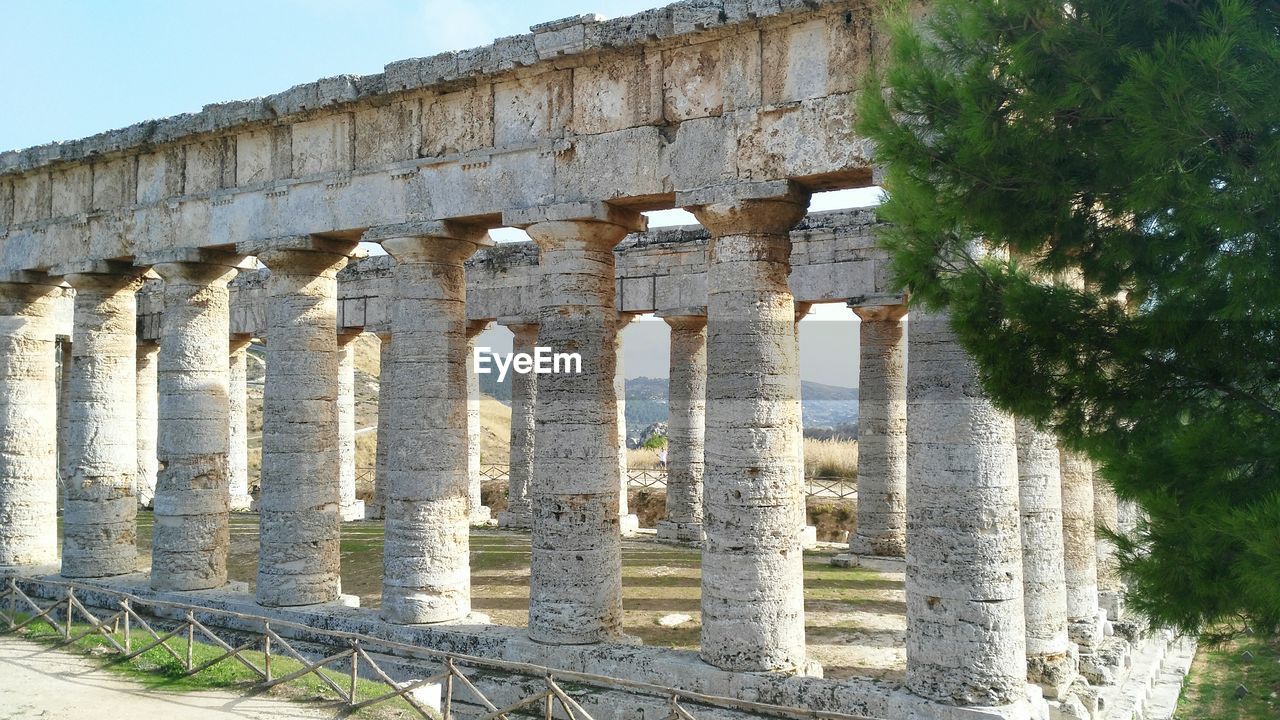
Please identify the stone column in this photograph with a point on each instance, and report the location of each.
(753, 493)
(189, 548)
(238, 423)
(882, 433)
(64, 412)
(298, 556)
(99, 529)
(148, 414)
(966, 630)
(478, 511)
(1080, 554)
(28, 421)
(426, 567)
(1106, 514)
(628, 522)
(686, 424)
(576, 565)
(1051, 657)
(524, 392)
(351, 508)
(381, 470)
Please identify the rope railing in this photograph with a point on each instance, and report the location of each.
(349, 656)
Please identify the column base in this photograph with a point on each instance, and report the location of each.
(481, 515)
(515, 520)
(1087, 632)
(354, 511)
(629, 525)
(1109, 664)
(870, 562)
(680, 532)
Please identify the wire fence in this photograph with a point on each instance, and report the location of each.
(133, 625)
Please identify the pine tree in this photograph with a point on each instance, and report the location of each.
(1092, 190)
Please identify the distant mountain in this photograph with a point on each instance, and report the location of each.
(827, 409)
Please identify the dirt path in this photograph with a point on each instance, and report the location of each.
(38, 682)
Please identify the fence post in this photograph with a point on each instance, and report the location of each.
(266, 648)
(128, 624)
(448, 689)
(191, 640)
(355, 670)
(67, 632)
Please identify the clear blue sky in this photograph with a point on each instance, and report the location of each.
(75, 68)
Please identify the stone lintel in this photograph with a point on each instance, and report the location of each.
(451, 229)
(29, 277)
(735, 192)
(201, 256)
(475, 327)
(305, 243)
(588, 211)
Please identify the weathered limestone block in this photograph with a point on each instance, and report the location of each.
(524, 393)
(427, 570)
(882, 433)
(352, 509)
(238, 423)
(576, 564)
(192, 536)
(476, 509)
(1080, 554)
(966, 631)
(99, 530)
(28, 424)
(686, 428)
(64, 407)
(298, 557)
(148, 427)
(752, 559)
(1051, 657)
(628, 523)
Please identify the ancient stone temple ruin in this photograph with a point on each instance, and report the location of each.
(129, 294)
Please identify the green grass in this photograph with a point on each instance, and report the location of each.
(1209, 691)
(156, 669)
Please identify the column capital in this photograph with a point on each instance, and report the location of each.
(195, 273)
(194, 256)
(595, 212)
(879, 313)
(29, 277)
(108, 274)
(690, 318)
(475, 327)
(429, 240)
(747, 208)
(305, 253)
(348, 335)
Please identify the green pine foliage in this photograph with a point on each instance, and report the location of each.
(1092, 190)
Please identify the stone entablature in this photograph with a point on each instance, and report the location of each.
(631, 110)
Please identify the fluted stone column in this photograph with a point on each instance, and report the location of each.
(882, 433)
(966, 630)
(426, 567)
(628, 522)
(753, 493)
(299, 510)
(28, 422)
(686, 425)
(189, 547)
(524, 392)
(148, 414)
(1080, 554)
(238, 423)
(1051, 657)
(99, 529)
(381, 470)
(576, 565)
(479, 512)
(352, 509)
(1106, 515)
